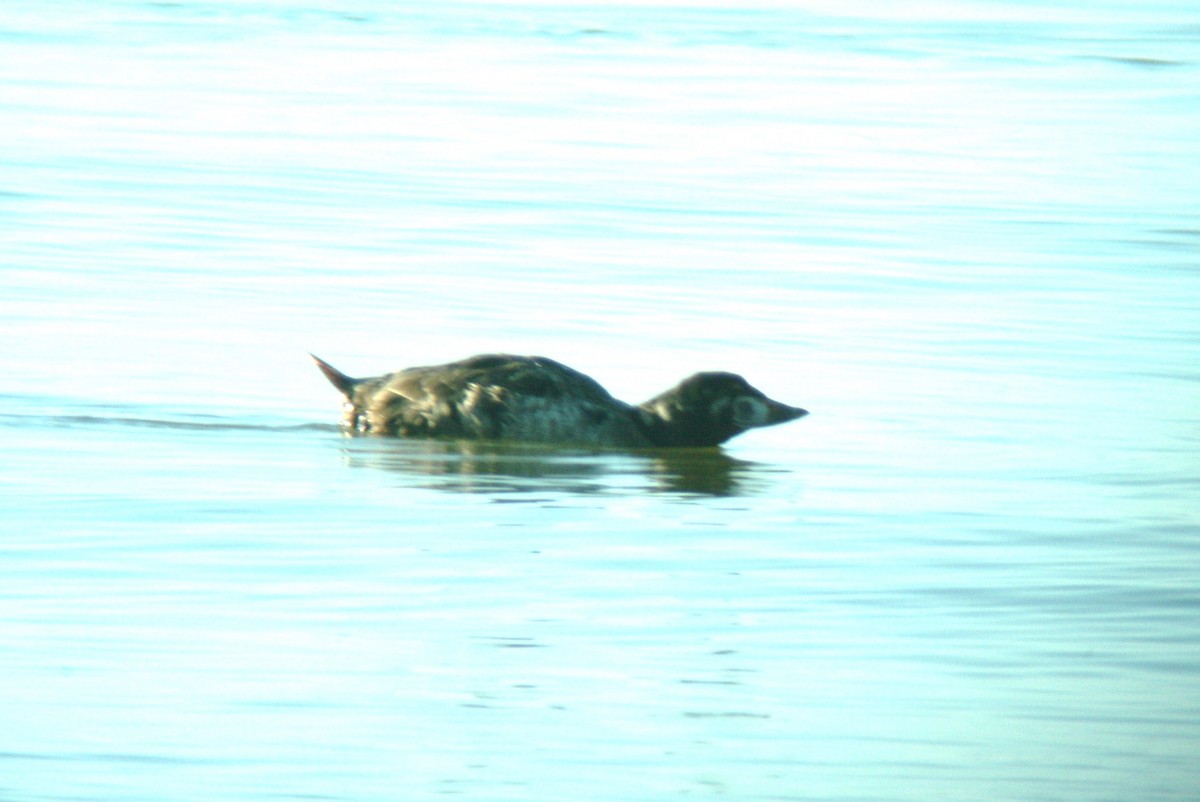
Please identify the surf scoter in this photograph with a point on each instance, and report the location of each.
(533, 399)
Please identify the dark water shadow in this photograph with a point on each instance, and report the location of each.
(27, 412)
(528, 470)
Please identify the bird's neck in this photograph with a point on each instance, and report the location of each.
(673, 429)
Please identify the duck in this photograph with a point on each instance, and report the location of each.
(533, 399)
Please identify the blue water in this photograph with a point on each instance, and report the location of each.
(965, 235)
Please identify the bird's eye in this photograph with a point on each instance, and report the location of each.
(749, 412)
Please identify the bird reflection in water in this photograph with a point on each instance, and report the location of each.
(467, 466)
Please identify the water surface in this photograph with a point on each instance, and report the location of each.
(965, 236)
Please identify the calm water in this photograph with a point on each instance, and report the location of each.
(965, 235)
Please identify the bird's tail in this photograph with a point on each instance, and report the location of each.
(340, 380)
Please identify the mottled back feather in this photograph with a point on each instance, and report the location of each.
(493, 397)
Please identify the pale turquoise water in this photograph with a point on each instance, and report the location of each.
(965, 235)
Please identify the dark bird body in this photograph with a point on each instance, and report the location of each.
(533, 399)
